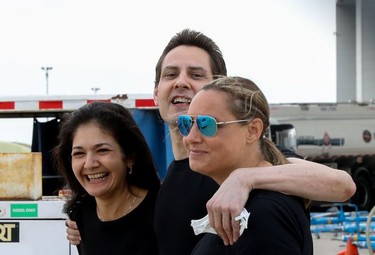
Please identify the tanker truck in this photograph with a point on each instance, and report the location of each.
(341, 135)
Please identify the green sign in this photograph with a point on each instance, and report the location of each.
(23, 210)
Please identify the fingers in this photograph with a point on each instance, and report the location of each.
(71, 224)
(217, 223)
(222, 220)
(226, 220)
(222, 211)
(73, 240)
(235, 230)
(226, 204)
(72, 232)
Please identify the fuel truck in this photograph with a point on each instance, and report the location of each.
(340, 135)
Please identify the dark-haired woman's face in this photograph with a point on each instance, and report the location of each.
(98, 161)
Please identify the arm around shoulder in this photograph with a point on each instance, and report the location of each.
(302, 178)
(334, 185)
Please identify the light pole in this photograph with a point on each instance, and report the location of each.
(47, 68)
(95, 90)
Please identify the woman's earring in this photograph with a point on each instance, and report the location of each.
(130, 166)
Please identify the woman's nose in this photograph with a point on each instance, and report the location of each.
(91, 161)
(194, 134)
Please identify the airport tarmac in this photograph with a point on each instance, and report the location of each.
(329, 244)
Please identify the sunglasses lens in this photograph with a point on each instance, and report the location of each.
(207, 125)
(184, 124)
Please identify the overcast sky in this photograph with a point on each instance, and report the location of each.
(286, 46)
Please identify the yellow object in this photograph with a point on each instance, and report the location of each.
(21, 176)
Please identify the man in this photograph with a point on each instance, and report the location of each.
(189, 61)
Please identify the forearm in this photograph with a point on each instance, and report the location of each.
(301, 178)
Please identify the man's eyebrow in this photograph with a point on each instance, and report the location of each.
(197, 68)
(170, 67)
(189, 68)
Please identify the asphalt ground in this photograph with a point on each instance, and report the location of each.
(331, 244)
(338, 221)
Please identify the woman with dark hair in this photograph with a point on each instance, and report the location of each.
(108, 166)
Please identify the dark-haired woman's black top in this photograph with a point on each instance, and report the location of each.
(132, 234)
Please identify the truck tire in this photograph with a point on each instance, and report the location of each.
(363, 196)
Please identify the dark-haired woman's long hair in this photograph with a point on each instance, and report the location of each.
(117, 121)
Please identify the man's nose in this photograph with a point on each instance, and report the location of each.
(182, 82)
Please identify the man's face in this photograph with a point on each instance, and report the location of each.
(184, 71)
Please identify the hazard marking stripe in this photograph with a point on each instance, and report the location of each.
(43, 105)
(32, 105)
(144, 103)
(7, 105)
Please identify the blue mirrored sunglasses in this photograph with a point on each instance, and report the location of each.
(207, 125)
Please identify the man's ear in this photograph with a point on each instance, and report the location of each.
(155, 95)
(254, 130)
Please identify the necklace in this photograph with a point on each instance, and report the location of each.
(131, 197)
(131, 204)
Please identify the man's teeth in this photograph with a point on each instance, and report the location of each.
(96, 176)
(181, 100)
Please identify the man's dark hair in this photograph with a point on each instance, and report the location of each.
(193, 38)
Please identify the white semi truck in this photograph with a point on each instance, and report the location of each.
(341, 135)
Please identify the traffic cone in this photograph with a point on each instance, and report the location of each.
(351, 249)
(343, 252)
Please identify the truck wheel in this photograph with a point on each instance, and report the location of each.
(363, 196)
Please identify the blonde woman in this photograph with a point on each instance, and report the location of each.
(224, 130)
